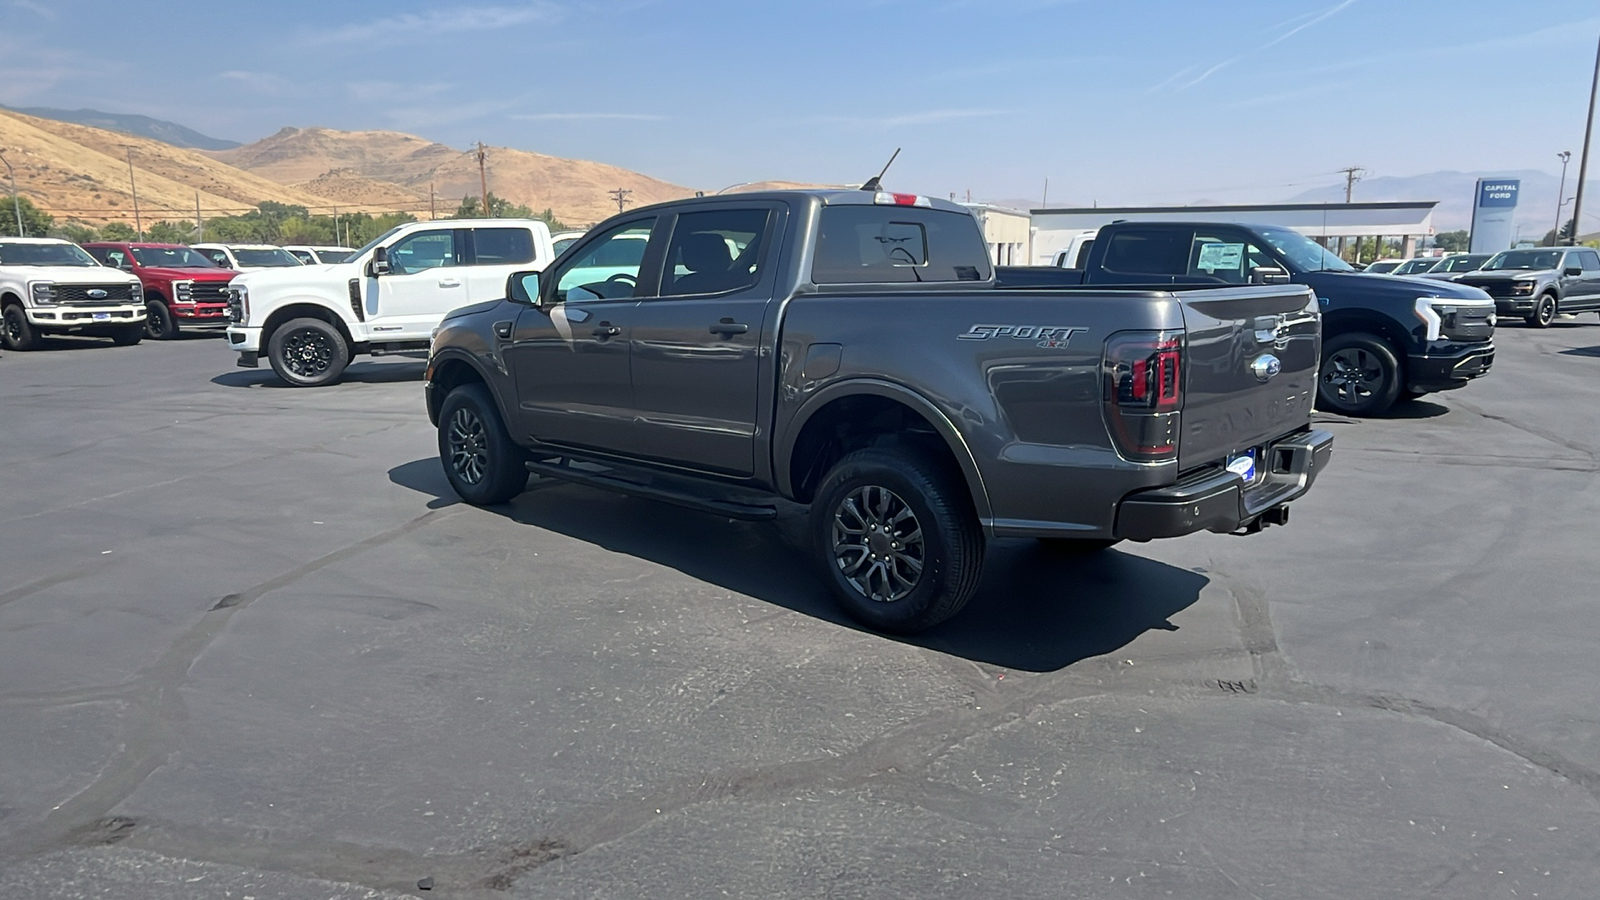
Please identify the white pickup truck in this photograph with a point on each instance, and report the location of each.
(49, 286)
(309, 321)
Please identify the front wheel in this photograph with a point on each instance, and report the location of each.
(308, 353)
(480, 460)
(16, 332)
(127, 335)
(1544, 312)
(897, 538)
(1360, 375)
(158, 322)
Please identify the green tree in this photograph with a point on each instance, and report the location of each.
(76, 232)
(118, 231)
(171, 233)
(35, 222)
(1551, 238)
(548, 217)
(499, 208)
(301, 230)
(1452, 241)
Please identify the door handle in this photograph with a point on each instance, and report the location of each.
(729, 328)
(605, 330)
(503, 330)
(449, 282)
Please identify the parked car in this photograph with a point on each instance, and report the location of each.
(248, 257)
(561, 240)
(309, 321)
(1540, 283)
(1456, 264)
(49, 286)
(181, 286)
(1416, 265)
(1076, 251)
(1383, 338)
(1382, 266)
(311, 255)
(853, 351)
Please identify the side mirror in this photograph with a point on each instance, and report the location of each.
(1268, 275)
(380, 261)
(1573, 271)
(523, 287)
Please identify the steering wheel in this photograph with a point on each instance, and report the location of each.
(625, 278)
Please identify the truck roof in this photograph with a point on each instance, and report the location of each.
(34, 240)
(142, 245)
(830, 197)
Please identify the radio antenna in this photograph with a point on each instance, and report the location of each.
(876, 182)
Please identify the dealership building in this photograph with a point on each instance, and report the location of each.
(1330, 224)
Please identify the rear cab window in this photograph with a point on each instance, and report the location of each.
(860, 244)
(502, 246)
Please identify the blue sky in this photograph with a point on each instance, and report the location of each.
(1132, 101)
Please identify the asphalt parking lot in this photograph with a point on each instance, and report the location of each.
(252, 646)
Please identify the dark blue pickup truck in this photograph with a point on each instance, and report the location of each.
(1384, 337)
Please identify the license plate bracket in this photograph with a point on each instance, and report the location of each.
(1246, 465)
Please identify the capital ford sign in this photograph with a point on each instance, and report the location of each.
(1495, 204)
(1498, 193)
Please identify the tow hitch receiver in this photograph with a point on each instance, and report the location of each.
(1278, 515)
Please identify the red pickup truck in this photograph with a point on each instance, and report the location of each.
(180, 284)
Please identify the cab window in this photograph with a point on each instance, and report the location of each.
(714, 252)
(1155, 251)
(608, 267)
(1224, 257)
(423, 251)
(502, 246)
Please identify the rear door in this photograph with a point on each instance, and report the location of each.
(497, 252)
(696, 344)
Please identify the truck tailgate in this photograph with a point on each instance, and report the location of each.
(1251, 369)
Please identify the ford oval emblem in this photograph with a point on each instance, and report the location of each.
(96, 294)
(1266, 367)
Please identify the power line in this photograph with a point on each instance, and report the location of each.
(1351, 176)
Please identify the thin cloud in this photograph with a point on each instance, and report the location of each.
(409, 27)
(581, 116)
(38, 9)
(1294, 26)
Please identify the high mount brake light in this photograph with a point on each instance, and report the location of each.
(884, 198)
(1143, 373)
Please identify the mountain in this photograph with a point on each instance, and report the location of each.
(80, 173)
(577, 190)
(1536, 201)
(141, 126)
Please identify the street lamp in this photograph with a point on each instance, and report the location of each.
(1555, 236)
(16, 206)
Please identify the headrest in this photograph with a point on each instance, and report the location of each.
(705, 252)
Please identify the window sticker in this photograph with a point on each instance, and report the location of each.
(1220, 256)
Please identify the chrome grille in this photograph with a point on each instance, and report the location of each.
(78, 294)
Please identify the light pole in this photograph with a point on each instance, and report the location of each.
(1583, 161)
(1555, 236)
(16, 205)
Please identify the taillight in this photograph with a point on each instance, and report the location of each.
(1143, 373)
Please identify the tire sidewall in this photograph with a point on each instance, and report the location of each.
(505, 475)
(1383, 395)
(336, 366)
(1539, 319)
(29, 338)
(156, 311)
(889, 470)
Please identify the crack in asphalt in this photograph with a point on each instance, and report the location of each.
(49, 581)
(1536, 431)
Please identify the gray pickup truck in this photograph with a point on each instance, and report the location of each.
(851, 351)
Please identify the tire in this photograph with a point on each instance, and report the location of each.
(159, 325)
(1360, 375)
(1544, 312)
(127, 335)
(308, 352)
(869, 499)
(1078, 546)
(15, 331)
(480, 460)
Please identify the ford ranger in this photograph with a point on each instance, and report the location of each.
(49, 286)
(852, 351)
(308, 321)
(1383, 338)
(180, 285)
(1540, 283)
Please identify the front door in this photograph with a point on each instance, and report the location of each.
(425, 280)
(570, 356)
(697, 345)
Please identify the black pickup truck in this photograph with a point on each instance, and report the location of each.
(1539, 283)
(1383, 337)
(853, 352)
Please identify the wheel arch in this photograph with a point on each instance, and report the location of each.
(451, 369)
(9, 297)
(1362, 322)
(305, 310)
(861, 413)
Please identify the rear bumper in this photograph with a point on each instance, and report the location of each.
(1443, 372)
(1220, 501)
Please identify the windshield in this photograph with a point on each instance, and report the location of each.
(1381, 268)
(1530, 260)
(21, 254)
(1302, 252)
(1462, 263)
(332, 256)
(375, 242)
(171, 258)
(1416, 266)
(269, 258)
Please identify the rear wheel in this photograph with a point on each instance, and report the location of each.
(897, 538)
(308, 352)
(1360, 375)
(15, 332)
(158, 321)
(1544, 312)
(480, 460)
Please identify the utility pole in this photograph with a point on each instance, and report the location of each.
(16, 205)
(199, 228)
(621, 196)
(1044, 201)
(483, 180)
(138, 223)
(1555, 236)
(1583, 161)
(1351, 176)
(432, 213)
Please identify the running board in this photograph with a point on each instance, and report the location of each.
(732, 509)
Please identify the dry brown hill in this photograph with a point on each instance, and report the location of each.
(74, 172)
(349, 187)
(575, 189)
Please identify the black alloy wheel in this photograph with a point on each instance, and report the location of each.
(878, 544)
(15, 331)
(158, 321)
(308, 352)
(480, 460)
(1360, 375)
(1544, 312)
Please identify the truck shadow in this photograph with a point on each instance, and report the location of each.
(1037, 610)
(1582, 351)
(358, 373)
